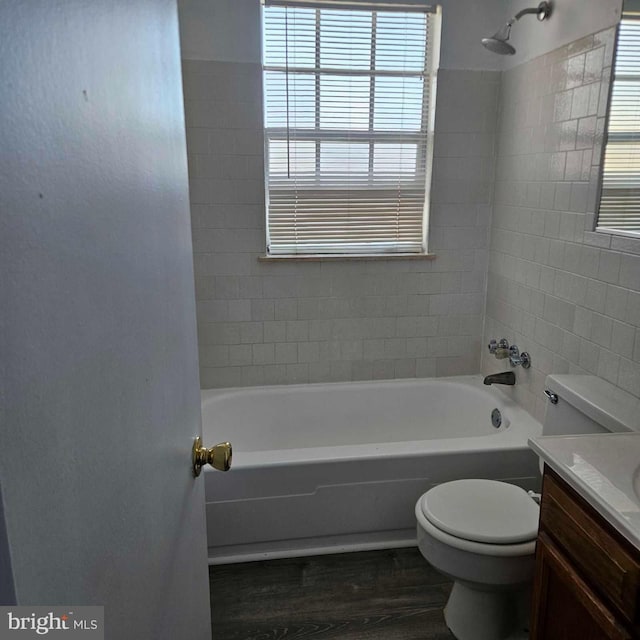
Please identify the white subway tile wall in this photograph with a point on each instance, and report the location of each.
(567, 295)
(274, 323)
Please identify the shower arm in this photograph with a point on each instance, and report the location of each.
(524, 12)
(543, 11)
(520, 14)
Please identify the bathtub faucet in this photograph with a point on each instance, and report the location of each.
(506, 377)
(501, 349)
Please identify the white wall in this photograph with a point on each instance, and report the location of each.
(570, 21)
(276, 323)
(209, 31)
(209, 27)
(564, 293)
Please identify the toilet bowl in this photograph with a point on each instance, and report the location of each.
(481, 533)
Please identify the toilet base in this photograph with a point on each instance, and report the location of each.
(481, 614)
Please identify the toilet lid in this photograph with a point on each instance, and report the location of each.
(482, 511)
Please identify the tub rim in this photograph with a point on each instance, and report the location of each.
(521, 427)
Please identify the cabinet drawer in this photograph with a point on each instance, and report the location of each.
(596, 552)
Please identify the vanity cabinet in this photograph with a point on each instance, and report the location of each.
(587, 576)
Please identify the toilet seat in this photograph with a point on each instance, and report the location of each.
(478, 548)
(476, 515)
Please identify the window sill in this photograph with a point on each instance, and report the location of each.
(613, 239)
(347, 258)
(624, 233)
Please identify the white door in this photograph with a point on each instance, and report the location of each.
(99, 392)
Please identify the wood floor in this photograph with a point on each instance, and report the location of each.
(373, 595)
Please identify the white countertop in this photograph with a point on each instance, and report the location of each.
(604, 469)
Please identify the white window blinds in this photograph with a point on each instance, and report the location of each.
(620, 195)
(349, 91)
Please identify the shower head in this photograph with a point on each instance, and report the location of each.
(499, 41)
(498, 46)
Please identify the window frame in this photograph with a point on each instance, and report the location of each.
(423, 138)
(616, 137)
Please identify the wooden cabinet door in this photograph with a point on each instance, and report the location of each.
(564, 607)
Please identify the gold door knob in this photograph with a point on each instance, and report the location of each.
(219, 457)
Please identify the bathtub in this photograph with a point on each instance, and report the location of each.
(326, 468)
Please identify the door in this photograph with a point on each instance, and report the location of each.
(99, 383)
(563, 604)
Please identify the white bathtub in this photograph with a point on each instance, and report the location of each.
(323, 468)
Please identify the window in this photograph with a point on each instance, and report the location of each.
(620, 195)
(349, 99)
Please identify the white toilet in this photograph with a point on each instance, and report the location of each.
(482, 533)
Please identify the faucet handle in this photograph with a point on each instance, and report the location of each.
(503, 351)
(500, 349)
(516, 358)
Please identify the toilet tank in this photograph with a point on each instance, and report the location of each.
(588, 404)
(565, 419)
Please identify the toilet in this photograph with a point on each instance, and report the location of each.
(482, 534)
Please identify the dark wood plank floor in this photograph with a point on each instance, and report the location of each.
(373, 595)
